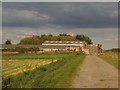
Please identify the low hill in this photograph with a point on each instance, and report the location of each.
(38, 40)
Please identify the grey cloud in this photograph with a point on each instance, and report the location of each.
(14, 18)
(66, 15)
(61, 1)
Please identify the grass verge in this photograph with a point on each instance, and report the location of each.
(54, 75)
(110, 60)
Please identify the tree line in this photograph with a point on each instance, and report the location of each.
(38, 40)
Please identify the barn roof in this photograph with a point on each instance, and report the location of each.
(64, 42)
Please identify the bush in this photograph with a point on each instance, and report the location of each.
(8, 42)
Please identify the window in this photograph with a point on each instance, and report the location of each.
(47, 41)
(81, 42)
(67, 42)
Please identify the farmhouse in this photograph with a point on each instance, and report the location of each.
(75, 46)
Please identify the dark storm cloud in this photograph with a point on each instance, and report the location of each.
(67, 15)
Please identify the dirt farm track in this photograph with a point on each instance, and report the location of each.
(95, 73)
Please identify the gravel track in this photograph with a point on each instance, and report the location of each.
(95, 73)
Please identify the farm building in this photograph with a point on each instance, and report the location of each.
(75, 46)
(81, 44)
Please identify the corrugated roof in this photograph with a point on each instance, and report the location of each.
(63, 42)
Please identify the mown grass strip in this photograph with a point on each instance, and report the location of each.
(54, 75)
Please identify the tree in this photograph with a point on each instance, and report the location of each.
(62, 34)
(84, 38)
(30, 40)
(61, 37)
(8, 42)
(42, 35)
(50, 35)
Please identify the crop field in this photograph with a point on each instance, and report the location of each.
(13, 64)
(39, 70)
(12, 67)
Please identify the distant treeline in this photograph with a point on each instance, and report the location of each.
(38, 40)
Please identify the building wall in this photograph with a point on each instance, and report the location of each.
(86, 51)
(95, 48)
(76, 49)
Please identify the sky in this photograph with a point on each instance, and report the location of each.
(98, 20)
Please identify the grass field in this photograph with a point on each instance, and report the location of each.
(53, 75)
(113, 61)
